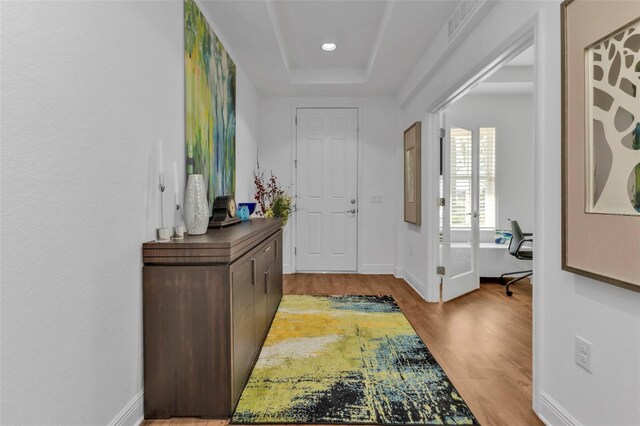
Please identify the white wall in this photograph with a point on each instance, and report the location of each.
(87, 89)
(247, 117)
(566, 305)
(377, 138)
(512, 116)
(247, 135)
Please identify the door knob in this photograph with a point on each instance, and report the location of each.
(352, 211)
(353, 201)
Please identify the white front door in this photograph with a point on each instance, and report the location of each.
(461, 153)
(327, 189)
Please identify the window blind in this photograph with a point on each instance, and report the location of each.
(488, 177)
(461, 177)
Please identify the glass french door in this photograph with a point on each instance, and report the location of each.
(460, 226)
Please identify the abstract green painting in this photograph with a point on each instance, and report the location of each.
(210, 105)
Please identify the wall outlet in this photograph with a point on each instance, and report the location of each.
(583, 353)
(410, 250)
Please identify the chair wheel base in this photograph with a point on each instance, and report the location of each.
(509, 293)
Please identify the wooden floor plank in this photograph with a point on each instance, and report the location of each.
(482, 340)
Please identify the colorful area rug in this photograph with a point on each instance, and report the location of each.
(347, 359)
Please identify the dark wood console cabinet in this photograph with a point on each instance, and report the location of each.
(208, 303)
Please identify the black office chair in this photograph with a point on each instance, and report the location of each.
(516, 249)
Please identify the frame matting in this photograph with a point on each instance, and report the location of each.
(600, 243)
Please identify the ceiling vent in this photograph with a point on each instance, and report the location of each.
(463, 13)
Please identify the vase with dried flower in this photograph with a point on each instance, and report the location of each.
(272, 199)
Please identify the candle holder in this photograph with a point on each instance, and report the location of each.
(178, 220)
(178, 224)
(162, 233)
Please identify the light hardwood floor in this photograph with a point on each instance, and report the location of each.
(482, 341)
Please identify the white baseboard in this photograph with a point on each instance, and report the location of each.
(366, 269)
(552, 414)
(398, 272)
(409, 279)
(414, 283)
(376, 269)
(132, 414)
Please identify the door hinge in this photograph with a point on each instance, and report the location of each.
(442, 132)
(440, 270)
(442, 202)
(295, 163)
(296, 120)
(295, 251)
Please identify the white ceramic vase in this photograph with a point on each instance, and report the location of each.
(196, 206)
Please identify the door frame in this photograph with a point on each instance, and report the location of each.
(522, 40)
(531, 33)
(294, 178)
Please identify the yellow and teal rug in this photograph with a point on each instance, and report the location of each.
(347, 359)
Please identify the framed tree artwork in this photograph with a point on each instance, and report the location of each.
(210, 105)
(601, 140)
(412, 174)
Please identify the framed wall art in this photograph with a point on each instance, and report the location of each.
(412, 174)
(210, 105)
(601, 140)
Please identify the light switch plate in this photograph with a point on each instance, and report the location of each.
(376, 199)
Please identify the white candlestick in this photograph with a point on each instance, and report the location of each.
(176, 186)
(160, 157)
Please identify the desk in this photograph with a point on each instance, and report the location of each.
(482, 246)
(493, 259)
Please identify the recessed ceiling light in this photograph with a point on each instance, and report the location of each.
(329, 47)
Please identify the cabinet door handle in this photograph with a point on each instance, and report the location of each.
(254, 272)
(267, 249)
(267, 278)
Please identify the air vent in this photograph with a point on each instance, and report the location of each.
(461, 16)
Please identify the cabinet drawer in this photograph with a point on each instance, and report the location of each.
(266, 255)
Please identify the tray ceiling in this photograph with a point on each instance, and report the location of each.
(277, 42)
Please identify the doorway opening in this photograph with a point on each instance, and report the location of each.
(486, 181)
